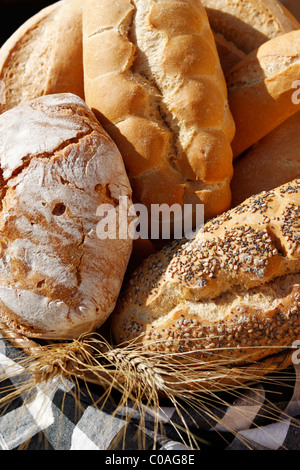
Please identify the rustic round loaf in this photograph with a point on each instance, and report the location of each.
(229, 295)
(58, 279)
(44, 55)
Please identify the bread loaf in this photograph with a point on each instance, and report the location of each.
(154, 80)
(271, 162)
(293, 6)
(229, 54)
(249, 23)
(44, 55)
(261, 89)
(58, 279)
(231, 294)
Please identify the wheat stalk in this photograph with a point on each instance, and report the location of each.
(139, 376)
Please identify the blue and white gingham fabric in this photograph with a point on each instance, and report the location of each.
(265, 416)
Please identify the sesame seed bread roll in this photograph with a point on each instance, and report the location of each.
(58, 279)
(249, 23)
(44, 55)
(271, 162)
(154, 80)
(261, 88)
(232, 293)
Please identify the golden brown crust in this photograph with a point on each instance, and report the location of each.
(58, 278)
(260, 89)
(229, 54)
(293, 7)
(271, 162)
(249, 23)
(44, 55)
(241, 270)
(158, 89)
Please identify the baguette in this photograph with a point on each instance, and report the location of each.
(260, 89)
(44, 55)
(154, 80)
(231, 294)
(58, 279)
(249, 23)
(271, 162)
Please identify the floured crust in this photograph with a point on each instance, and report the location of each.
(249, 23)
(58, 279)
(154, 80)
(261, 87)
(44, 55)
(219, 295)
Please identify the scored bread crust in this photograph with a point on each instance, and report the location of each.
(58, 278)
(249, 23)
(261, 88)
(44, 55)
(232, 293)
(154, 80)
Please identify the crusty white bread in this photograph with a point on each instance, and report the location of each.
(241, 27)
(249, 23)
(58, 279)
(261, 89)
(271, 162)
(154, 80)
(44, 55)
(230, 294)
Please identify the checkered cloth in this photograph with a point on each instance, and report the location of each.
(263, 417)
